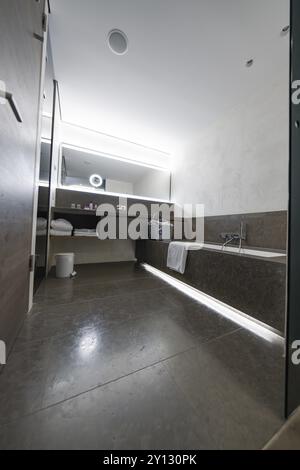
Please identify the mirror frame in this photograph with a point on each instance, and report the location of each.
(112, 157)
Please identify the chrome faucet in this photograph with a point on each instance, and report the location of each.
(242, 234)
(230, 237)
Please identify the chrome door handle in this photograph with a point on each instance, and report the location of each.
(9, 97)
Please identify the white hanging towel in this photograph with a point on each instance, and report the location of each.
(177, 254)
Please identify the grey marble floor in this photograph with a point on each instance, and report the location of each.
(117, 359)
(288, 437)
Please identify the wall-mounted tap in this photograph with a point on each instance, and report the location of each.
(231, 237)
(243, 233)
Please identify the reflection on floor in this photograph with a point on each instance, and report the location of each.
(117, 359)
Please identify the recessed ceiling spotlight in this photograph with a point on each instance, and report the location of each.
(285, 30)
(249, 63)
(118, 42)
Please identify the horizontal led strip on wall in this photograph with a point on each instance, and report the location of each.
(242, 319)
(115, 157)
(98, 192)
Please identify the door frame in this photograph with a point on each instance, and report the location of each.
(37, 160)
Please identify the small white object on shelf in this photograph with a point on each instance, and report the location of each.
(84, 232)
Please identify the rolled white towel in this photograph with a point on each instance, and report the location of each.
(61, 225)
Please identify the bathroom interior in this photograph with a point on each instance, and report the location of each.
(175, 103)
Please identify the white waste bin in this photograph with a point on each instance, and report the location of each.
(64, 265)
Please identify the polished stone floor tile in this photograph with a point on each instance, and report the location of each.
(142, 411)
(126, 286)
(288, 437)
(74, 293)
(176, 297)
(18, 435)
(114, 310)
(116, 359)
(200, 321)
(55, 320)
(22, 382)
(94, 356)
(108, 272)
(88, 274)
(235, 383)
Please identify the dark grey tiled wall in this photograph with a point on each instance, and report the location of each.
(264, 230)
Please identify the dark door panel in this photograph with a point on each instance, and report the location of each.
(20, 67)
(293, 318)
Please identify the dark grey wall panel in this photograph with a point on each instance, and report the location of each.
(264, 229)
(293, 318)
(20, 66)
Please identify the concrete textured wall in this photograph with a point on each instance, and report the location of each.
(240, 163)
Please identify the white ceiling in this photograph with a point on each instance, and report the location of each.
(184, 68)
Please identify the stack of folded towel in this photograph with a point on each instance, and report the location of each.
(61, 228)
(41, 226)
(85, 232)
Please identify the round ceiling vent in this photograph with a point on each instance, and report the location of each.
(118, 42)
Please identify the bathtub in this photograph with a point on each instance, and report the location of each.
(242, 251)
(253, 282)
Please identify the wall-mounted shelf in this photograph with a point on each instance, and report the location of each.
(69, 237)
(70, 210)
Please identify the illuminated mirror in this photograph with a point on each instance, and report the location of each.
(86, 170)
